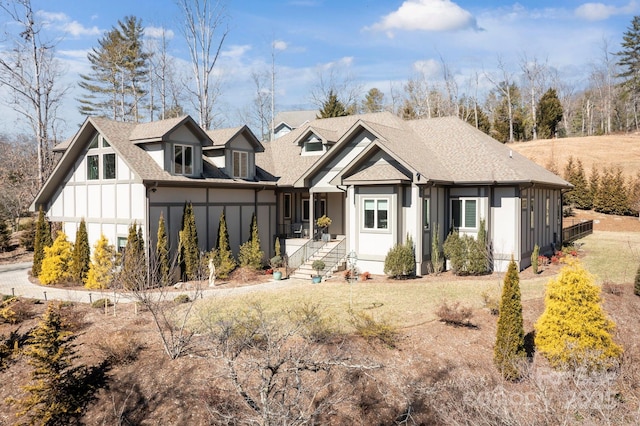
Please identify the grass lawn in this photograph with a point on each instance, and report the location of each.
(608, 255)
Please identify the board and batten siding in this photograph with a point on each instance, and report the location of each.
(541, 221)
(504, 227)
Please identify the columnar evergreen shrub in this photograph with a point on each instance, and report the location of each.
(534, 259)
(56, 265)
(468, 255)
(162, 252)
(5, 236)
(189, 251)
(636, 287)
(222, 255)
(42, 240)
(455, 251)
(574, 330)
(51, 353)
(28, 237)
(134, 260)
(250, 254)
(81, 255)
(612, 194)
(101, 269)
(509, 351)
(401, 260)
(437, 263)
(569, 175)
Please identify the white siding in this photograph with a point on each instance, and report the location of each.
(156, 151)
(504, 227)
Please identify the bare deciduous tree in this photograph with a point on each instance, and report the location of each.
(32, 74)
(504, 84)
(336, 78)
(18, 179)
(205, 30)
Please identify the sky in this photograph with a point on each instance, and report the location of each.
(375, 43)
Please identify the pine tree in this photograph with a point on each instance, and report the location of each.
(574, 330)
(119, 71)
(508, 351)
(222, 256)
(56, 265)
(162, 252)
(189, 250)
(81, 255)
(373, 101)
(548, 114)
(581, 197)
(594, 185)
(569, 175)
(42, 240)
(630, 58)
(250, 254)
(5, 236)
(332, 107)
(51, 353)
(134, 261)
(101, 269)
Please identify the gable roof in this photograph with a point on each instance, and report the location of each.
(294, 119)
(445, 150)
(222, 137)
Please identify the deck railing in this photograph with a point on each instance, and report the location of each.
(301, 255)
(334, 257)
(577, 231)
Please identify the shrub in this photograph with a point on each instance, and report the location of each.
(162, 253)
(508, 351)
(275, 261)
(28, 236)
(14, 310)
(57, 261)
(467, 255)
(370, 329)
(400, 261)
(101, 303)
(182, 298)
(574, 330)
(636, 287)
(134, 260)
(315, 325)
(437, 262)
(81, 255)
(189, 251)
(612, 288)
(491, 302)
(318, 265)
(222, 256)
(365, 276)
(250, 254)
(454, 314)
(120, 347)
(101, 268)
(42, 240)
(5, 236)
(535, 258)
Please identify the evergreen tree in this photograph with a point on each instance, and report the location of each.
(594, 184)
(501, 115)
(509, 351)
(630, 58)
(134, 261)
(162, 252)
(612, 194)
(51, 353)
(189, 250)
(56, 265)
(548, 114)
(222, 256)
(581, 193)
(42, 240)
(119, 72)
(81, 255)
(101, 269)
(569, 175)
(636, 286)
(373, 101)
(5, 235)
(250, 254)
(478, 252)
(574, 331)
(332, 107)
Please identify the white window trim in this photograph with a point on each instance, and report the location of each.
(238, 173)
(103, 148)
(463, 212)
(375, 228)
(173, 161)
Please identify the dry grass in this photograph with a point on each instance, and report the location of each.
(612, 256)
(590, 150)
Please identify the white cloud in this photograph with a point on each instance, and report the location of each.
(430, 67)
(50, 17)
(77, 29)
(426, 15)
(236, 51)
(158, 32)
(62, 22)
(346, 61)
(601, 11)
(280, 45)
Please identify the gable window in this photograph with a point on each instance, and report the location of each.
(313, 146)
(183, 159)
(109, 166)
(93, 167)
(240, 164)
(376, 213)
(464, 213)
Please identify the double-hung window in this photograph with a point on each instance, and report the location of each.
(183, 159)
(376, 213)
(464, 213)
(240, 164)
(98, 159)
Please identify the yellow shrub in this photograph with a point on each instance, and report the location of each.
(574, 331)
(100, 273)
(56, 265)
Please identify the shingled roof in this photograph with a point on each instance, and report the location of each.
(445, 150)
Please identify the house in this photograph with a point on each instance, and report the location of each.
(286, 121)
(378, 177)
(114, 173)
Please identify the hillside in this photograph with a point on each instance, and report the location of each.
(611, 150)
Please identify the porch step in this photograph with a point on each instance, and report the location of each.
(306, 272)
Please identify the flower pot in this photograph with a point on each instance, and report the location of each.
(316, 279)
(277, 275)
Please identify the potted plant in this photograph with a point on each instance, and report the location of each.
(276, 262)
(323, 223)
(318, 265)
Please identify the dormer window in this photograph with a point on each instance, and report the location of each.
(240, 164)
(313, 146)
(183, 160)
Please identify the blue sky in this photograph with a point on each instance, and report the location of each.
(378, 43)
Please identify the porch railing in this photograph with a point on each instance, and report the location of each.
(335, 256)
(577, 231)
(301, 255)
